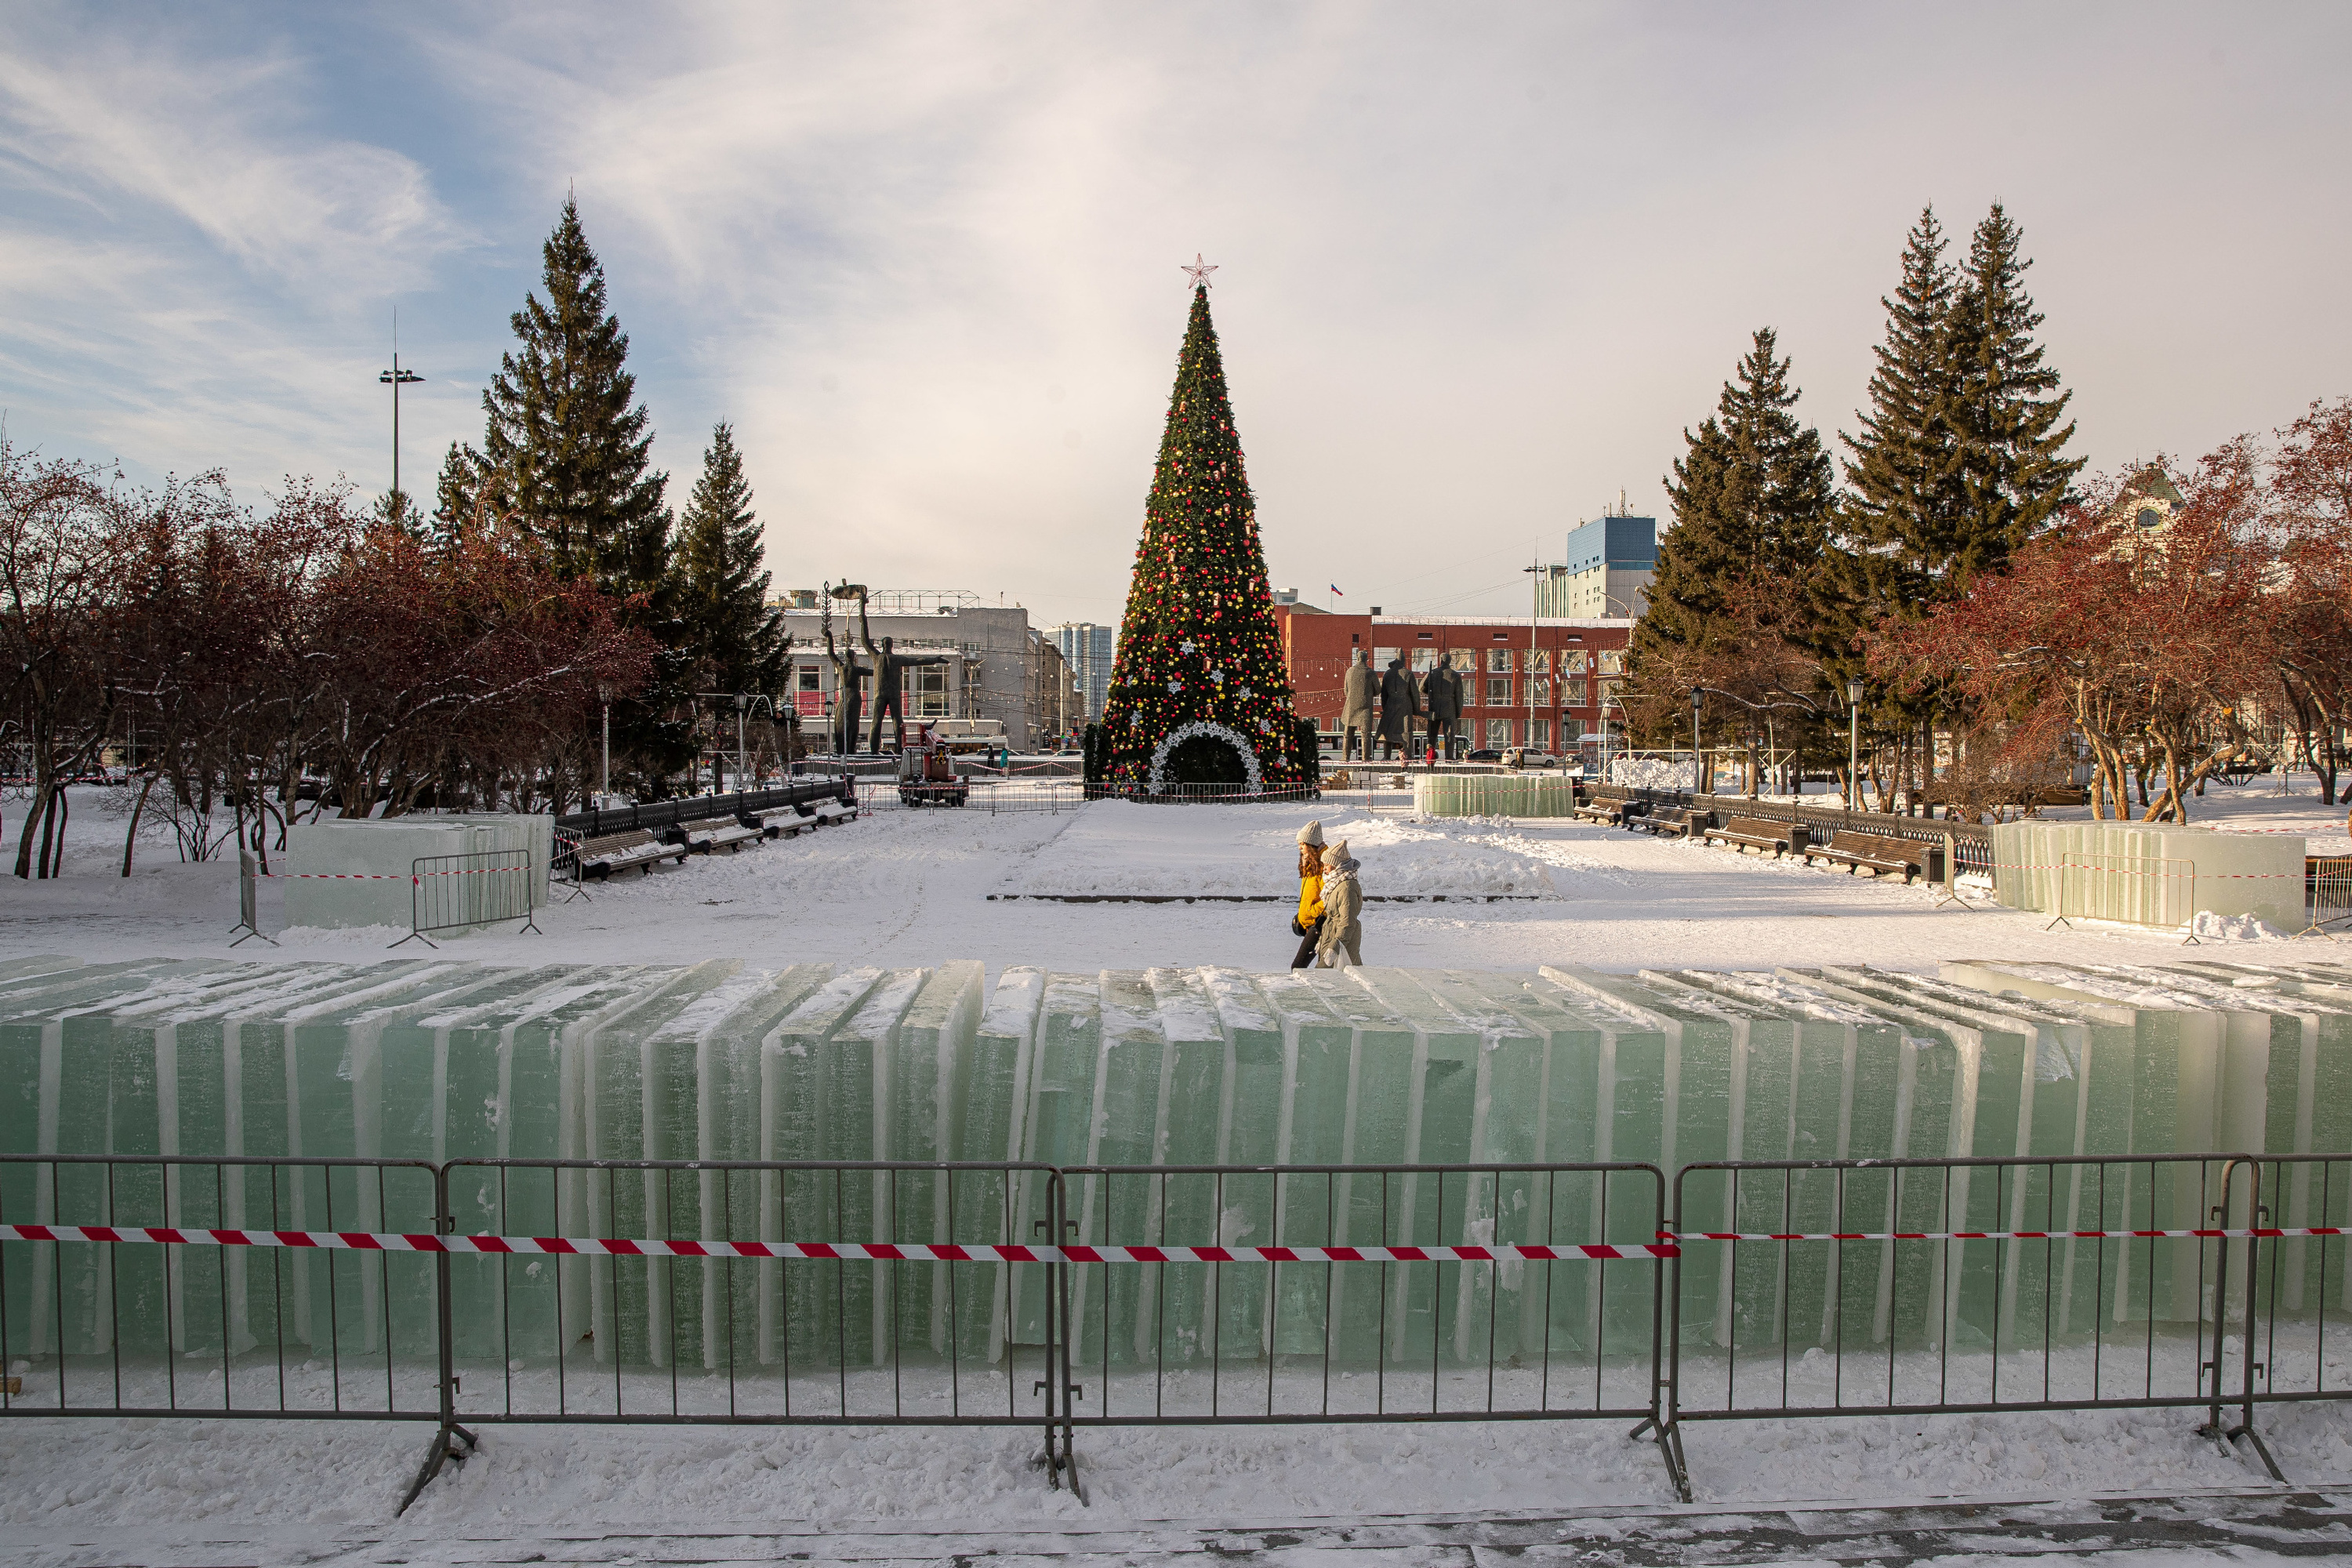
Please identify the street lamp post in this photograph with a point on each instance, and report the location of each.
(1854, 746)
(604, 778)
(397, 378)
(1694, 763)
(742, 706)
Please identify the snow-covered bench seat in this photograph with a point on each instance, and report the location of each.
(714, 833)
(599, 857)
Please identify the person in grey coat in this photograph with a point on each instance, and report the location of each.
(1356, 691)
(1399, 702)
(1339, 944)
(1441, 689)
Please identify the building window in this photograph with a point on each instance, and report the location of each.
(1380, 656)
(1572, 661)
(1540, 733)
(1572, 694)
(1538, 690)
(1498, 691)
(1498, 732)
(1425, 658)
(1612, 661)
(1498, 659)
(927, 691)
(1426, 637)
(1539, 658)
(1572, 729)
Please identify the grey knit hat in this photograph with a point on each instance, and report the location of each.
(1312, 834)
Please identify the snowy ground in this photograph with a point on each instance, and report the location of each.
(913, 888)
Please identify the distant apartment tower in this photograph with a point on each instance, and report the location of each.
(1610, 563)
(1088, 649)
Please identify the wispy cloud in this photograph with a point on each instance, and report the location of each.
(1480, 267)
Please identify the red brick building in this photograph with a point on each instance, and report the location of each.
(1537, 685)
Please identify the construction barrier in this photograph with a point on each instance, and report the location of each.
(478, 1292)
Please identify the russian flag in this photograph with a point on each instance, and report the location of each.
(1334, 592)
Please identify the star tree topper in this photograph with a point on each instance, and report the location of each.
(1199, 273)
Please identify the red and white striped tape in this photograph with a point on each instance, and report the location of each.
(381, 876)
(2264, 1232)
(831, 1251)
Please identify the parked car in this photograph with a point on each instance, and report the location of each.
(1527, 757)
(1484, 755)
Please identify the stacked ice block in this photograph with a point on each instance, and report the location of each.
(1493, 794)
(1362, 1071)
(2148, 875)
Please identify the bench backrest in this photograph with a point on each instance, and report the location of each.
(1878, 846)
(1757, 827)
(592, 847)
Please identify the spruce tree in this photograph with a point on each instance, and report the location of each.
(1751, 496)
(736, 640)
(2009, 405)
(1199, 692)
(455, 494)
(565, 453)
(1903, 529)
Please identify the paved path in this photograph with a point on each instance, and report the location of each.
(2282, 1520)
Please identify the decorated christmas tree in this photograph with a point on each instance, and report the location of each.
(1199, 693)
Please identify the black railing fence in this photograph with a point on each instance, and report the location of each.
(844, 1293)
(1971, 842)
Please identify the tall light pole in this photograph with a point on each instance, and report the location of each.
(1535, 616)
(605, 779)
(742, 706)
(396, 378)
(1695, 772)
(1854, 746)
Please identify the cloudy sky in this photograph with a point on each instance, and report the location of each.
(1479, 264)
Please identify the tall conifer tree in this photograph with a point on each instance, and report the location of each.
(1200, 693)
(2012, 465)
(1751, 499)
(1904, 528)
(735, 637)
(565, 452)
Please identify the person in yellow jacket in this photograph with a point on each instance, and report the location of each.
(1308, 924)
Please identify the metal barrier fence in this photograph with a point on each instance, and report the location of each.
(458, 892)
(564, 865)
(2136, 889)
(478, 1292)
(1952, 1285)
(1057, 795)
(2327, 890)
(1227, 1295)
(155, 1315)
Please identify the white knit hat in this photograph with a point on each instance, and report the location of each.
(1312, 834)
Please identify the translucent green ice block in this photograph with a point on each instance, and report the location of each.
(991, 1125)
(1317, 1061)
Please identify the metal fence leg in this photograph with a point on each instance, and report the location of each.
(450, 1441)
(1666, 1346)
(2226, 1437)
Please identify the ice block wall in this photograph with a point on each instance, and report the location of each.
(1493, 794)
(355, 871)
(1361, 1071)
(2147, 874)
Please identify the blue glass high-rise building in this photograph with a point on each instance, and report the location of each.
(1088, 648)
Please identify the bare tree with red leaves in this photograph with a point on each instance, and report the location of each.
(2162, 646)
(2311, 484)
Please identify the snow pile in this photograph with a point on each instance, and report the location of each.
(2210, 927)
(1123, 848)
(1649, 773)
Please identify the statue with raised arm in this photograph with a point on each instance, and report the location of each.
(888, 695)
(847, 699)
